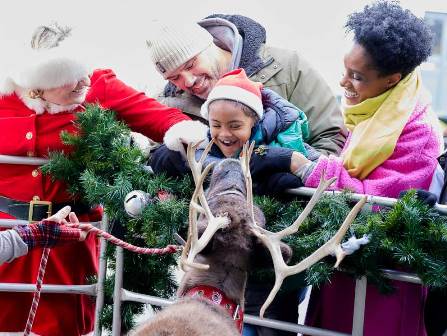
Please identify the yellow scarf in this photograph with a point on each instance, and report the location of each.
(376, 124)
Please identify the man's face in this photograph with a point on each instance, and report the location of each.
(198, 75)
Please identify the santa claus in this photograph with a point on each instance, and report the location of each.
(38, 99)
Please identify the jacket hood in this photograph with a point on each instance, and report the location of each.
(253, 35)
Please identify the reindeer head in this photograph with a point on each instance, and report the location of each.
(231, 181)
(220, 216)
(226, 196)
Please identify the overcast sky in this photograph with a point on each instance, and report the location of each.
(113, 31)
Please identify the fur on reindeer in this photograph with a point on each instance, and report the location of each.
(231, 229)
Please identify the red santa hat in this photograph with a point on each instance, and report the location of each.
(49, 62)
(236, 86)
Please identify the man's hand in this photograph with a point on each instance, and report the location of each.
(297, 161)
(143, 143)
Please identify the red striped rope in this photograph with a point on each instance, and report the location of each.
(90, 228)
(36, 298)
(118, 242)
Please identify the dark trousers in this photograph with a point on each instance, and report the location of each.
(283, 308)
(435, 314)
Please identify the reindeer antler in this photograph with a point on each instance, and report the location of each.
(245, 164)
(272, 240)
(197, 206)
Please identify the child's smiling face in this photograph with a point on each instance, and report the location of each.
(230, 125)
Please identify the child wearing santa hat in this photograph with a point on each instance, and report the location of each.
(240, 110)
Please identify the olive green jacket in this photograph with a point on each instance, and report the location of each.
(293, 78)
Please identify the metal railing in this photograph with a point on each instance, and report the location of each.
(121, 294)
(93, 290)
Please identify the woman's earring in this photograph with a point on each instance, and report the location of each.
(34, 94)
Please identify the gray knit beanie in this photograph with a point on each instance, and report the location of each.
(172, 46)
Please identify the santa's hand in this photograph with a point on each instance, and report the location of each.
(185, 132)
(143, 143)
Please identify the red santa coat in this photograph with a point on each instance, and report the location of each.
(24, 133)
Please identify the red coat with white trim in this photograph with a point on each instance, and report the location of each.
(25, 133)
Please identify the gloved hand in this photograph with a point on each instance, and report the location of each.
(422, 195)
(142, 142)
(53, 230)
(275, 184)
(181, 134)
(267, 160)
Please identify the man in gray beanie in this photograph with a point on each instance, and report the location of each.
(192, 57)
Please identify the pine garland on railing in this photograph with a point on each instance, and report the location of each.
(103, 168)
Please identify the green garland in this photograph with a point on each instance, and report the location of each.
(103, 168)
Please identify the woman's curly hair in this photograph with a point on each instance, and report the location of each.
(396, 40)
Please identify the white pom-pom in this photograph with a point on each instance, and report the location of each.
(353, 244)
(135, 202)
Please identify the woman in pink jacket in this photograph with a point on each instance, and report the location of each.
(393, 145)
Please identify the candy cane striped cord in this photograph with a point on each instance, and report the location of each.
(141, 250)
(36, 298)
(90, 228)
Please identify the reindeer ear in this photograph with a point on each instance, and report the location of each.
(286, 252)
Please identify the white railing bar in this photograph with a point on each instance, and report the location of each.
(401, 276)
(116, 322)
(379, 200)
(127, 295)
(292, 327)
(102, 270)
(360, 296)
(54, 289)
(23, 160)
(250, 319)
(359, 306)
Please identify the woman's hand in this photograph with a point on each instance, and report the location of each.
(297, 160)
(54, 230)
(60, 218)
